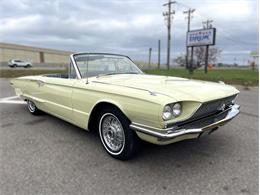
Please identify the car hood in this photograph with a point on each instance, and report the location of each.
(175, 87)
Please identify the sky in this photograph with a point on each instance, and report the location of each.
(128, 27)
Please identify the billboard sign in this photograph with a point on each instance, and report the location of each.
(201, 37)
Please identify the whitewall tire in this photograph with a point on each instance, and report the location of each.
(116, 137)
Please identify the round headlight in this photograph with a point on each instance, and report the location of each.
(167, 112)
(176, 109)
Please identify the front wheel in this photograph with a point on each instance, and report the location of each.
(116, 137)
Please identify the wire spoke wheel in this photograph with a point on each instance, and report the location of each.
(112, 133)
(31, 106)
(116, 137)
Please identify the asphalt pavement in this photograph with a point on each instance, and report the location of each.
(45, 155)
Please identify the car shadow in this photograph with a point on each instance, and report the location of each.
(185, 155)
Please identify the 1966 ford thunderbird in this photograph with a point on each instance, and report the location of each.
(109, 93)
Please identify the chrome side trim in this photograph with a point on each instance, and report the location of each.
(171, 133)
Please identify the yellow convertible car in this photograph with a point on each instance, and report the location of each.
(109, 93)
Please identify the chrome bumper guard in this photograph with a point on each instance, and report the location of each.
(196, 127)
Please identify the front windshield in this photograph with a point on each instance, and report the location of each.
(99, 65)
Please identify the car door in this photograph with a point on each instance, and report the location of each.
(56, 92)
(23, 63)
(17, 62)
(57, 95)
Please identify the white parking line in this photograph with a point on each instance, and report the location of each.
(9, 100)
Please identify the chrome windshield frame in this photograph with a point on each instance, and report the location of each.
(79, 76)
(75, 66)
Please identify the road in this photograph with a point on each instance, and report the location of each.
(45, 155)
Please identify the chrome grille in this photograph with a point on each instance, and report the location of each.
(212, 107)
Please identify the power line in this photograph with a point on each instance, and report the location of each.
(168, 16)
(230, 37)
(227, 34)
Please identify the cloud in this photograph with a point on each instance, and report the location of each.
(129, 26)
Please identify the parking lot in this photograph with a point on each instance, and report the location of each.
(45, 155)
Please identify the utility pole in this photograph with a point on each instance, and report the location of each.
(206, 25)
(189, 13)
(149, 60)
(191, 59)
(159, 53)
(168, 14)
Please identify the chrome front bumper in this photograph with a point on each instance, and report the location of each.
(196, 127)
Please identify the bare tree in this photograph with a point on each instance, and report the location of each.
(180, 60)
(199, 53)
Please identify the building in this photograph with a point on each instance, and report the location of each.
(38, 56)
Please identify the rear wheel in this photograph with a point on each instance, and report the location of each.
(116, 137)
(32, 108)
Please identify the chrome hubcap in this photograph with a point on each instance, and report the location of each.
(112, 133)
(31, 106)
